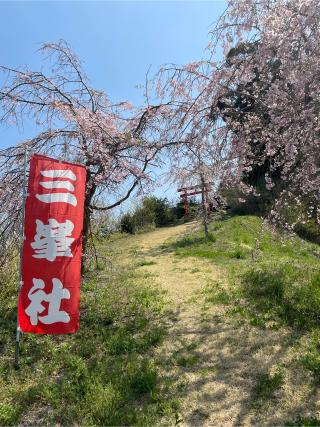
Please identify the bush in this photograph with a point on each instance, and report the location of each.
(161, 210)
(127, 224)
(249, 204)
(308, 231)
(153, 212)
(178, 210)
(144, 217)
(156, 212)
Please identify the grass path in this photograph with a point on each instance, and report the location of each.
(227, 372)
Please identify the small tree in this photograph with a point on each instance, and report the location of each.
(76, 123)
(162, 211)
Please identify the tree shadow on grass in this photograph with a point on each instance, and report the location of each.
(237, 374)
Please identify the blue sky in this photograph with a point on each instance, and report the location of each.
(117, 40)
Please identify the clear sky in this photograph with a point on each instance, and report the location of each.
(117, 40)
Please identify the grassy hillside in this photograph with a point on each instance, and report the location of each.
(270, 282)
(274, 278)
(178, 330)
(106, 374)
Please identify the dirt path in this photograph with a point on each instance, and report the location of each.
(215, 361)
(180, 278)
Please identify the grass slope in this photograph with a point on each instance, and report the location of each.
(106, 374)
(111, 371)
(275, 277)
(271, 282)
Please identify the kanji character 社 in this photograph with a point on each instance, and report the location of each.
(37, 295)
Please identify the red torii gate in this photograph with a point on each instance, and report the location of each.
(195, 189)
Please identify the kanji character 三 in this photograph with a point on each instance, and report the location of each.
(58, 183)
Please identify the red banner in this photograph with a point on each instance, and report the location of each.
(52, 249)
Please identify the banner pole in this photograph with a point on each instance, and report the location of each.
(24, 195)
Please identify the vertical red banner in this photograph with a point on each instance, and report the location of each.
(52, 249)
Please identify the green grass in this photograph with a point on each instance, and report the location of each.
(272, 283)
(106, 374)
(266, 386)
(275, 281)
(187, 360)
(144, 262)
(216, 294)
(304, 422)
(310, 355)
(288, 294)
(311, 361)
(235, 238)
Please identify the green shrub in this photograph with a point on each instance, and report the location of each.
(309, 231)
(179, 213)
(144, 217)
(161, 210)
(127, 224)
(153, 212)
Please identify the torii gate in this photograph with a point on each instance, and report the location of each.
(195, 189)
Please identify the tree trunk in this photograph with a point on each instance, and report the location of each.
(204, 209)
(89, 193)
